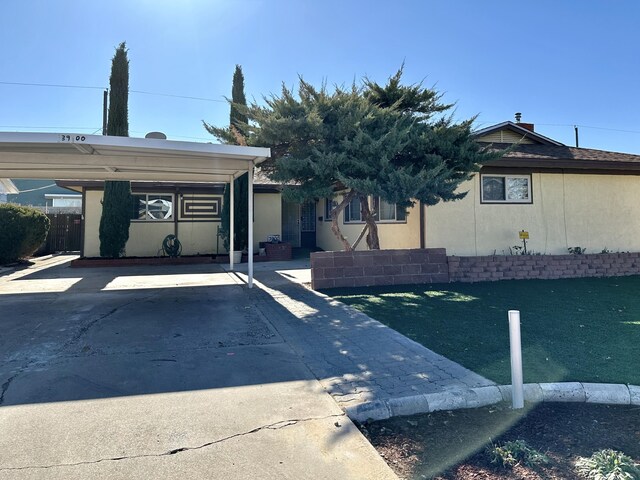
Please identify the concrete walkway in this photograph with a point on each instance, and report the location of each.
(161, 372)
(362, 363)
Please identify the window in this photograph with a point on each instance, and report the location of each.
(152, 207)
(329, 205)
(387, 212)
(352, 213)
(506, 189)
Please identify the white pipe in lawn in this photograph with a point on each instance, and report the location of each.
(517, 389)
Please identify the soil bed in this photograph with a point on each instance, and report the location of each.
(451, 444)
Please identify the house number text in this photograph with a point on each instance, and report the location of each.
(65, 138)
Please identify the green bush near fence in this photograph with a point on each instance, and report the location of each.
(22, 231)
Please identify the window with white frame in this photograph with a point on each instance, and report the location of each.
(389, 212)
(505, 188)
(386, 212)
(152, 207)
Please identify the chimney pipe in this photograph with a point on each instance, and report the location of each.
(518, 117)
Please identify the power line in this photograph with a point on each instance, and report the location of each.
(178, 96)
(572, 125)
(24, 84)
(57, 85)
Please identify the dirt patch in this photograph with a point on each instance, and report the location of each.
(451, 445)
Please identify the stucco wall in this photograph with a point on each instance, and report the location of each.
(267, 217)
(392, 235)
(196, 237)
(568, 210)
(92, 213)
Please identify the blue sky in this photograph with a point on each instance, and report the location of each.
(560, 63)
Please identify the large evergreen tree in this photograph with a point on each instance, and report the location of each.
(393, 142)
(234, 134)
(116, 203)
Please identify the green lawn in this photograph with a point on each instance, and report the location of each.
(584, 329)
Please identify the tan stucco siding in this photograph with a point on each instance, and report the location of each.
(92, 213)
(267, 217)
(199, 238)
(568, 210)
(392, 235)
(196, 237)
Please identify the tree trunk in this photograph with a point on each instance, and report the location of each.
(373, 241)
(334, 220)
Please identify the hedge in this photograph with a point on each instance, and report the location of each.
(22, 231)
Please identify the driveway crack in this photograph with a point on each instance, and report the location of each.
(84, 329)
(272, 426)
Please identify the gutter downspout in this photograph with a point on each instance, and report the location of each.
(423, 212)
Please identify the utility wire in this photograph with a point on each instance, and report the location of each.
(572, 125)
(178, 96)
(23, 84)
(57, 85)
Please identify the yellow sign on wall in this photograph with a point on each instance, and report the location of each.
(524, 235)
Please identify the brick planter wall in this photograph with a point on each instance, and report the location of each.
(499, 267)
(378, 267)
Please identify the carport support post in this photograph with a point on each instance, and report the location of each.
(231, 232)
(250, 222)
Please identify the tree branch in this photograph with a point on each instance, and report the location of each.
(334, 219)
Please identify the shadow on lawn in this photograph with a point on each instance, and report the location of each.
(572, 330)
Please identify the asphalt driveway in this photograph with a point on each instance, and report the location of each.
(159, 372)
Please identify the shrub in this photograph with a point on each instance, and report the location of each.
(608, 465)
(510, 454)
(22, 231)
(116, 218)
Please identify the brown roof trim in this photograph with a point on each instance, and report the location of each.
(550, 156)
(520, 170)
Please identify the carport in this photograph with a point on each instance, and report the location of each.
(67, 156)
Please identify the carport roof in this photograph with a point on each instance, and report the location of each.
(66, 156)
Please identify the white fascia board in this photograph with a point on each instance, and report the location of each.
(103, 144)
(74, 174)
(117, 161)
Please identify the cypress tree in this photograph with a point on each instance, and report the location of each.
(235, 135)
(117, 200)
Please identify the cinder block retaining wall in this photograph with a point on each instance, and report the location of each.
(431, 265)
(378, 267)
(499, 267)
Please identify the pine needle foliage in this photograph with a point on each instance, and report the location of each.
(392, 141)
(117, 200)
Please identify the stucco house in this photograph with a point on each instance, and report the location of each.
(563, 196)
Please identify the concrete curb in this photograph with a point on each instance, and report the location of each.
(603, 393)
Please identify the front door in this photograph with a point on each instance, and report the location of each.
(291, 223)
(308, 225)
